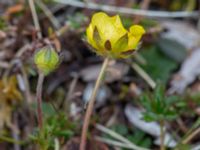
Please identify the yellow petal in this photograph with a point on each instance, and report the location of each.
(89, 34)
(110, 28)
(132, 42)
(137, 31)
(118, 25)
(121, 44)
(94, 39)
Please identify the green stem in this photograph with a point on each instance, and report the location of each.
(162, 135)
(91, 104)
(10, 140)
(39, 99)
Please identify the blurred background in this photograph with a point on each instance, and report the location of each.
(158, 86)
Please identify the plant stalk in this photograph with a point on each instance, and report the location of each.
(162, 135)
(39, 99)
(11, 140)
(91, 104)
(191, 136)
(35, 18)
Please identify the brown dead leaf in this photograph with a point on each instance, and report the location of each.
(10, 90)
(57, 44)
(5, 115)
(14, 9)
(115, 71)
(8, 93)
(189, 71)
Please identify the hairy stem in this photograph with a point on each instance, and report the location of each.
(91, 104)
(39, 99)
(162, 135)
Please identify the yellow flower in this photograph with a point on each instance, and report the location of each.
(109, 38)
(46, 59)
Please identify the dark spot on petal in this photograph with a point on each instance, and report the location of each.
(107, 45)
(128, 52)
(96, 36)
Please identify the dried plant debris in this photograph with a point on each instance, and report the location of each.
(176, 30)
(9, 95)
(176, 47)
(188, 72)
(115, 71)
(172, 42)
(134, 115)
(102, 96)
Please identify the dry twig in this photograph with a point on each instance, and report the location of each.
(144, 75)
(131, 11)
(119, 137)
(114, 143)
(35, 18)
(144, 6)
(48, 13)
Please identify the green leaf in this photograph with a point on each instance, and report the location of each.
(158, 66)
(183, 147)
(47, 109)
(140, 138)
(172, 49)
(120, 128)
(65, 133)
(76, 21)
(157, 106)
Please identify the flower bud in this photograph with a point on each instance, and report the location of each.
(46, 59)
